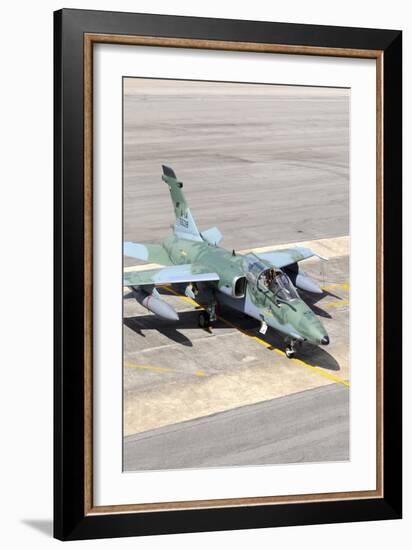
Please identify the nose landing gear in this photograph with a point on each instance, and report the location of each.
(290, 349)
(290, 352)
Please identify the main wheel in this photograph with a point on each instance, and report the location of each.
(204, 319)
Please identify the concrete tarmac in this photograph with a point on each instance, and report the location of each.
(310, 426)
(177, 371)
(266, 164)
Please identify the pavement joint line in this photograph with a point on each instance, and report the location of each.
(318, 370)
(159, 369)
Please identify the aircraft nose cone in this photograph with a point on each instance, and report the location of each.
(325, 340)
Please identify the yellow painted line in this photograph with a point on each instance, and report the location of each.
(318, 370)
(283, 354)
(345, 286)
(335, 304)
(159, 369)
(185, 298)
(148, 367)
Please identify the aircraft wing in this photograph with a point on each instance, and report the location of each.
(287, 256)
(185, 273)
(153, 253)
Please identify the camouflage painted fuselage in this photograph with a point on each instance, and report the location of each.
(236, 289)
(256, 284)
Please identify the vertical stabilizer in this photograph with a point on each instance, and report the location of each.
(185, 226)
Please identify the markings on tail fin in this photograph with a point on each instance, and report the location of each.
(185, 226)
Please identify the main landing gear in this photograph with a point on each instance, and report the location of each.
(204, 319)
(208, 315)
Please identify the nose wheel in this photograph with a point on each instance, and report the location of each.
(290, 352)
(290, 349)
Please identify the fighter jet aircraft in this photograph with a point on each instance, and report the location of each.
(261, 285)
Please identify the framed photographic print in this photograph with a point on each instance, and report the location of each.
(227, 274)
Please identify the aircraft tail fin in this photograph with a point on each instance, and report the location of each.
(185, 226)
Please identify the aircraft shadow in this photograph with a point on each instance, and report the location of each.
(309, 353)
(169, 329)
(312, 301)
(318, 357)
(313, 355)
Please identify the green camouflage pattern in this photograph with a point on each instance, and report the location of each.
(236, 280)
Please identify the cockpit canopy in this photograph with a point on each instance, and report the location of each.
(268, 278)
(253, 268)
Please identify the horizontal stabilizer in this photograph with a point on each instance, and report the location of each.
(154, 253)
(212, 235)
(287, 256)
(185, 273)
